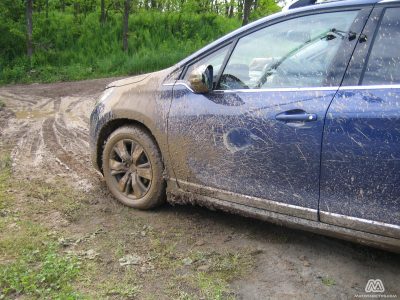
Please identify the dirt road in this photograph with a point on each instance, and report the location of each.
(196, 251)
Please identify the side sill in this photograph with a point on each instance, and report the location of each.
(359, 224)
(283, 208)
(178, 196)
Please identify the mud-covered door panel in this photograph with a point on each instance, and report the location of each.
(360, 176)
(259, 133)
(234, 142)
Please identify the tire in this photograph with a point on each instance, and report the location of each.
(135, 179)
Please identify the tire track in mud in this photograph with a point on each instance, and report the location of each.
(49, 135)
(42, 105)
(69, 160)
(35, 144)
(61, 127)
(46, 129)
(72, 105)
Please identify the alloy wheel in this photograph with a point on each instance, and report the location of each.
(131, 168)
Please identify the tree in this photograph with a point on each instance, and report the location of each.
(263, 8)
(29, 27)
(231, 9)
(246, 11)
(125, 25)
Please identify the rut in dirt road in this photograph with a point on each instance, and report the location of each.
(51, 133)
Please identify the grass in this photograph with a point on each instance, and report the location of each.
(127, 288)
(40, 274)
(213, 282)
(67, 49)
(55, 196)
(36, 261)
(2, 104)
(328, 281)
(30, 261)
(5, 176)
(206, 274)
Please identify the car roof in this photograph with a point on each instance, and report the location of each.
(308, 3)
(313, 7)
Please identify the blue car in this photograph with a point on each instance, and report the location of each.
(293, 119)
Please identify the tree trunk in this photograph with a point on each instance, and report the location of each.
(103, 12)
(231, 9)
(216, 7)
(29, 26)
(246, 11)
(127, 7)
(240, 9)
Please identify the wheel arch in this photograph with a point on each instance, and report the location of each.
(113, 125)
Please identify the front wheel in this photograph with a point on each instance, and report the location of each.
(133, 168)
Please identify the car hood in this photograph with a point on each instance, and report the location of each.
(140, 78)
(129, 80)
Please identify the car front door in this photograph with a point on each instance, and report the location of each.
(256, 138)
(360, 177)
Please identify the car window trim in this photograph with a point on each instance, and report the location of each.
(364, 14)
(382, 10)
(357, 61)
(225, 62)
(326, 88)
(371, 45)
(205, 54)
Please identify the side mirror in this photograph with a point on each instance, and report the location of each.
(201, 79)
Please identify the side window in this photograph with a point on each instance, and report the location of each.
(383, 65)
(215, 59)
(293, 53)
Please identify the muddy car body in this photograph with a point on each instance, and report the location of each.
(308, 138)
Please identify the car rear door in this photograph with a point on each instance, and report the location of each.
(360, 175)
(256, 139)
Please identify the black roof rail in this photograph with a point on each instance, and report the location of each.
(301, 3)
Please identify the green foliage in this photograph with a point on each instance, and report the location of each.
(39, 274)
(265, 7)
(328, 281)
(12, 30)
(70, 43)
(69, 50)
(5, 175)
(30, 265)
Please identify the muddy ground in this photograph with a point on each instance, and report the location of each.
(179, 252)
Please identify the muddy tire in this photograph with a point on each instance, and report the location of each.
(133, 168)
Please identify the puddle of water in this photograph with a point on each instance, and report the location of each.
(23, 114)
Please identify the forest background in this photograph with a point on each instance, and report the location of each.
(64, 40)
